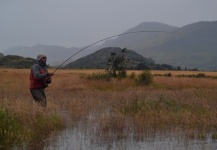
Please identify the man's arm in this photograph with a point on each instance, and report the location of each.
(36, 72)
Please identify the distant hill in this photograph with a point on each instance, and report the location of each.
(193, 45)
(99, 59)
(141, 40)
(56, 54)
(13, 61)
(197, 50)
(1, 55)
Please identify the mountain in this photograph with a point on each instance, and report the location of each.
(198, 50)
(99, 59)
(56, 54)
(13, 61)
(193, 45)
(143, 39)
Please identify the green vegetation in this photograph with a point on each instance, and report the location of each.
(167, 114)
(16, 129)
(118, 63)
(13, 61)
(9, 128)
(97, 76)
(161, 104)
(199, 75)
(145, 78)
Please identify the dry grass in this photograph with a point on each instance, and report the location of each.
(184, 82)
(117, 106)
(26, 121)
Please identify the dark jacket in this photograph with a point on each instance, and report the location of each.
(38, 75)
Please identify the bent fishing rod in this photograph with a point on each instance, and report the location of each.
(134, 32)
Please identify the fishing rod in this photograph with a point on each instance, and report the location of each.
(133, 32)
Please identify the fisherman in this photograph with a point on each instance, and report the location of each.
(39, 80)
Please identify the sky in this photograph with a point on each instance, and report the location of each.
(77, 23)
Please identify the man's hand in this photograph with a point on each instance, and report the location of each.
(50, 74)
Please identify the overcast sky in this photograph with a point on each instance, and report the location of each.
(76, 23)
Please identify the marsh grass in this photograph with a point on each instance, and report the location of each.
(118, 107)
(8, 128)
(169, 113)
(24, 123)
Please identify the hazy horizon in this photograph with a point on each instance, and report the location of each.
(77, 23)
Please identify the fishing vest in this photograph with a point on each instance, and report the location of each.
(37, 83)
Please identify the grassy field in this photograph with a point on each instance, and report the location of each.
(176, 99)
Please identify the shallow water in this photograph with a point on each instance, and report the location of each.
(80, 139)
(87, 135)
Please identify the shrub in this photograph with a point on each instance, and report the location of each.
(122, 74)
(99, 76)
(200, 75)
(132, 75)
(168, 74)
(145, 78)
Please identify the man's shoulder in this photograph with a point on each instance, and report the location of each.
(38, 66)
(35, 65)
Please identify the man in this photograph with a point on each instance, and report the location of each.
(39, 80)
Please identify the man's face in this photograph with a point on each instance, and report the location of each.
(44, 59)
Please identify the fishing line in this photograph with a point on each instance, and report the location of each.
(193, 36)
